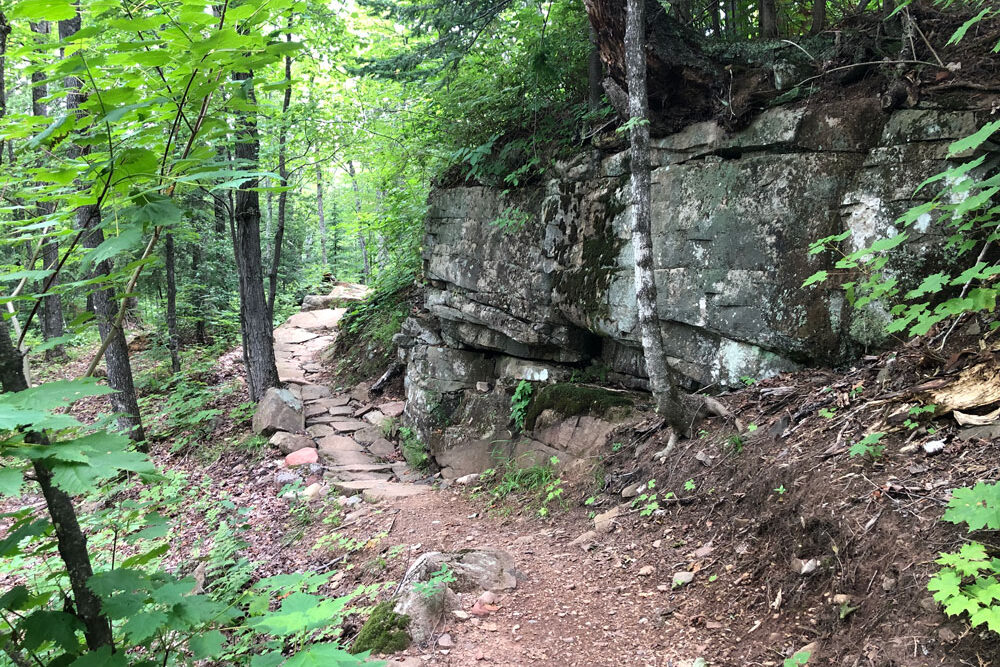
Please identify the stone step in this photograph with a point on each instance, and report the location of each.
(314, 392)
(348, 476)
(316, 320)
(292, 335)
(375, 491)
(362, 467)
(349, 426)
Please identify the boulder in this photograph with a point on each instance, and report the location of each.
(425, 596)
(302, 457)
(290, 442)
(279, 410)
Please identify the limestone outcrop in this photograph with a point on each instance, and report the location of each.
(538, 284)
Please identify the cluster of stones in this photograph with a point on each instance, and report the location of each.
(330, 439)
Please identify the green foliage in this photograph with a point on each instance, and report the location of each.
(519, 403)
(649, 499)
(436, 583)
(868, 446)
(414, 450)
(797, 660)
(969, 580)
(538, 485)
(511, 219)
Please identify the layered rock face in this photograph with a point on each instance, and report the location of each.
(538, 284)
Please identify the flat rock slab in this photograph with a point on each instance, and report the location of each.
(382, 448)
(374, 490)
(314, 320)
(313, 392)
(361, 467)
(320, 430)
(348, 476)
(348, 426)
(289, 442)
(340, 410)
(393, 409)
(292, 335)
(347, 457)
(315, 409)
(291, 373)
(339, 443)
(367, 436)
(322, 418)
(376, 418)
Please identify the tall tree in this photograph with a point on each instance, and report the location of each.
(52, 312)
(321, 217)
(662, 379)
(768, 10)
(255, 321)
(362, 244)
(116, 358)
(173, 339)
(279, 234)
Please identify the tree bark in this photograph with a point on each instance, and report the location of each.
(768, 19)
(362, 244)
(52, 313)
(4, 34)
(321, 216)
(279, 234)
(662, 379)
(71, 541)
(173, 340)
(123, 401)
(200, 324)
(595, 74)
(818, 17)
(255, 321)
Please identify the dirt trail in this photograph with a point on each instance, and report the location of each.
(571, 606)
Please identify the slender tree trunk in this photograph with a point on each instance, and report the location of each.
(255, 321)
(52, 314)
(173, 340)
(595, 73)
(71, 541)
(321, 217)
(362, 244)
(279, 234)
(4, 34)
(818, 17)
(714, 11)
(200, 305)
(662, 380)
(732, 21)
(768, 19)
(123, 401)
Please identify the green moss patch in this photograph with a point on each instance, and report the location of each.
(384, 632)
(573, 399)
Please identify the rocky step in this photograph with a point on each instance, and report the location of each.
(375, 490)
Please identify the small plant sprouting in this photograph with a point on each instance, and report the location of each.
(781, 490)
(519, 403)
(747, 380)
(690, 485)
(869, 446)
(798, 660)
(915, 412)
(736, 443)
(437, 582)
(827, 413)
(617, 447)
(751, 428)
(856, 390)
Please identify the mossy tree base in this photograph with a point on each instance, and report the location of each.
(384, 632)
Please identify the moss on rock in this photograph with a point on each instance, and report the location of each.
(573, 399)
(384, 632)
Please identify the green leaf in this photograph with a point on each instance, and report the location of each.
(155, 209)
(932, 284)
(207, 645)
(818, 277)
(979, 506)
(21, 531)
(326, 655)
(975, 140)
(46, 625)
(143, 625)
(44, 10)
(964, 28)
(103, 657)
(11, 480)
(128, 238)
(300, 612)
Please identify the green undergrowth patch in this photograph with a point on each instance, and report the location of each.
(523, 483)
(384, 632)
(570, 399)
(364, 348)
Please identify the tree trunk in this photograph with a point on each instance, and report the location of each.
(173, 340)
(714, 11)
(362, 244)
(279, 234)
(52, 314)
(662, 380)
(768, 19)
(123, 401)
(732, 20)
(321, 216)
(595, 74)
(255, 321)
(818, 17)
(4, 34)
(71, 541)
(200, 324)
